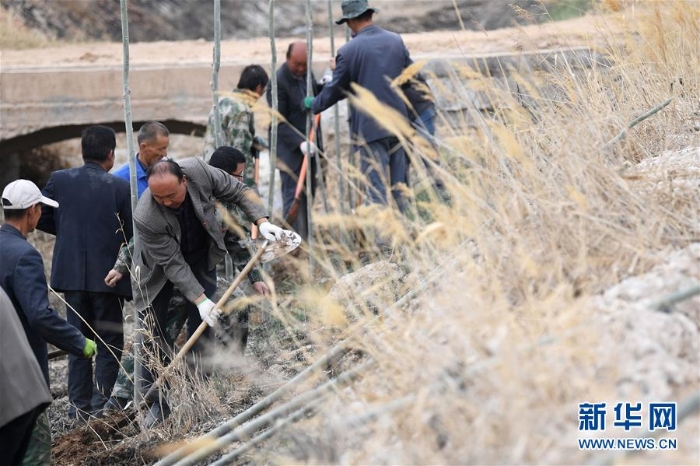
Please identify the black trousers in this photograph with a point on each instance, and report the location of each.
(15, 435)
(99, 313)
(155, 319)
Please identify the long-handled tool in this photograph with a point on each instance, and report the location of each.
(266, 252)
(294, 209)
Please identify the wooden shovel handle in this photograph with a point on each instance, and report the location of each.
(203, 326)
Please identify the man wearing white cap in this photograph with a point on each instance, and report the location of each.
(22, 278)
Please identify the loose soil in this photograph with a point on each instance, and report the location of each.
(575, 32)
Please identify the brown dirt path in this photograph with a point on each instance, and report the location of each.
(584, 31)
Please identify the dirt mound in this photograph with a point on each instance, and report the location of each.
(154, 20)
(102, 441)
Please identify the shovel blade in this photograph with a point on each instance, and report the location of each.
(289, 242)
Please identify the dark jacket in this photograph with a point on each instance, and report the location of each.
(290, 98)
(372, 59)
(157, 254)
(92, 221)
(419, 96)
(22, 277)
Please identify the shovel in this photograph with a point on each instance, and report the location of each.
(294, 209)
(266, 252)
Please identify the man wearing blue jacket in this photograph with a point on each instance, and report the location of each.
(372, 60)
(153, 139)
(22, 278)
(90, 226)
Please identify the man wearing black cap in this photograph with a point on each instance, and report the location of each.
(371, 60)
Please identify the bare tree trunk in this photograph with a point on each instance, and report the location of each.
(309, 93)
(351, 157)
(274, 119)
(133, 181)
(336, 115)
(215, 72)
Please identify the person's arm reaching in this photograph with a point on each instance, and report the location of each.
(334, 91)
(47, 222)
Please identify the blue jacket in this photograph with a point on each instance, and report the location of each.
(92, 221)
(22, 277)
(124, 173)
(372, 60)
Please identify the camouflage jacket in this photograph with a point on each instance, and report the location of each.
(237, 129)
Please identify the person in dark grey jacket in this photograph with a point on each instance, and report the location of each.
(179, 243)
(291, 90)
(24, 393)
(90, 226)
(372, 59)
(22, 278)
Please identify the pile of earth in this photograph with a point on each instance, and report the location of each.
(156, 20)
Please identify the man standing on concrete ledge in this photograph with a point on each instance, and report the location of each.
(372, 60)
(291, 90)
(153, 140)
(179, 243)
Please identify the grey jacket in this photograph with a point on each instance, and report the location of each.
(22, 384)
(157, 255)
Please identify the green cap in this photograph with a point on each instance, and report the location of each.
(354, 8)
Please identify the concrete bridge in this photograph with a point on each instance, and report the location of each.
(41, 105)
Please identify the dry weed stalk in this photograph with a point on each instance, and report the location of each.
(551, 222)
(541, 217)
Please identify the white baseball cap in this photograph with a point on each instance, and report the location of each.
(21, 194)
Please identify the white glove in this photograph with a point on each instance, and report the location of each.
(308, 148)
(326, 78)
(209, 312)
(271, 232)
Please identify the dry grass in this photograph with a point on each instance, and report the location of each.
(542, 217)
(499, 341)
(14, 35)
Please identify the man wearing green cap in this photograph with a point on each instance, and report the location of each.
(372, 60)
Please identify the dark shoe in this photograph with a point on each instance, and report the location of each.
(78, 415)
(116, 403)
(156, 414)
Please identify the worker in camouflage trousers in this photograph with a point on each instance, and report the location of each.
(232, 331)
